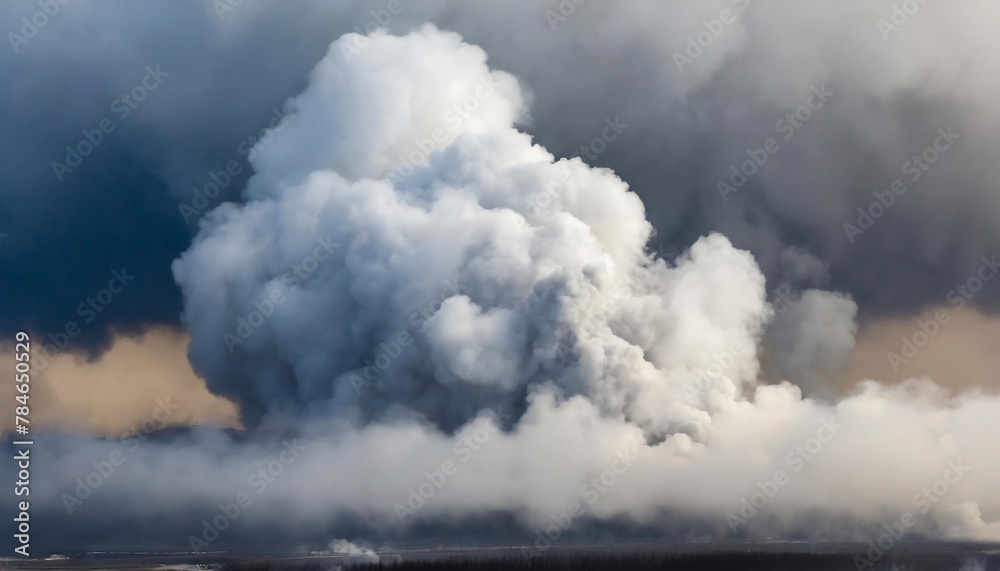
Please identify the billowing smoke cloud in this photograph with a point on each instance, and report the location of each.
(455, 325)
(547, 260)
(812, 336)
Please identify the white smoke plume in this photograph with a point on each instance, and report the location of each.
(406, 154)
(353, 551)
(439, 307)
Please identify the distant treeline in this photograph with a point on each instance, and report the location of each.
(754, 561)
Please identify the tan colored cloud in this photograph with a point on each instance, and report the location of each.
(960, 351)
(135, 379)
(125, 387)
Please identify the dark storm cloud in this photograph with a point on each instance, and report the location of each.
(160, 100)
